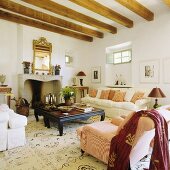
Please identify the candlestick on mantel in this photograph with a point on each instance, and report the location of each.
(46, 99)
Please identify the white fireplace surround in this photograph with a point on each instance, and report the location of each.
(52, 84)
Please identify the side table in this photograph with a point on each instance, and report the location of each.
(82, 89)
(6, 91)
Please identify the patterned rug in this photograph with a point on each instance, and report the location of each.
(46, 150)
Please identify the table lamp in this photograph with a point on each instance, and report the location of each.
(81, 74)
(156, 93)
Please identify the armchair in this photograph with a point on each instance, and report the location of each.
(12, 128)
(95, 138)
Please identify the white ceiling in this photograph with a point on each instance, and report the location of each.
(158, 7)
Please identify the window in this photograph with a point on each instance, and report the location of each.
(119, 57)
(124, 56)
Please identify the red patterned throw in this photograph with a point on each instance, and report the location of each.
(122, 143)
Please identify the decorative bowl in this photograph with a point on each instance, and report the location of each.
(65, 108)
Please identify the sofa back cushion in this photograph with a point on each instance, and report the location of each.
(138, 95)
(104, 94)
(119, 96)
(129, 94)
(92, 92)
(111, 94)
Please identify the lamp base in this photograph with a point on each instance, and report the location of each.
(156, 104)
(81, 82)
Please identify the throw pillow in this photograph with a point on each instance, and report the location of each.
(168, 108)
(129, 94)
(138, 95)
(111, 94)
(117, 121)
(98, 93)
(92, 92)
(119, 96)
(104, 94)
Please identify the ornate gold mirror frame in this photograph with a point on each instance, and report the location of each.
(42, 55)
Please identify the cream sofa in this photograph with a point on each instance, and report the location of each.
(112, 108)
(12, 128)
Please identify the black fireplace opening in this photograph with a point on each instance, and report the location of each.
(36, 93)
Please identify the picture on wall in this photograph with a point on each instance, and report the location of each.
(149, 71)
(166, 69)
(95, 75)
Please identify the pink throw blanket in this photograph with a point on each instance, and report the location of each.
(121, 144)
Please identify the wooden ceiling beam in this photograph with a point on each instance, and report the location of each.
(137, 8)
(104, 11)
(33, 23)
(67, 12)
(167, 2)
(20, 9)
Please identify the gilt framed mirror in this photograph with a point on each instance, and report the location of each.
(42, 56)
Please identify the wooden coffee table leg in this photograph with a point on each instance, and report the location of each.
(102, 117)
(36, 116)
(46, 122)
(60, 128)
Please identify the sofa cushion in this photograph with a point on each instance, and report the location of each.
(111, 94)
(92, 92)
(17, 122)
(4, 107)
(104, 94)
(119, 96)
(138, 95)
(98, 93)
(129, 106)
(4, 116)
(129, 94)
(117, 120)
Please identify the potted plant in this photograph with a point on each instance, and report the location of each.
(57, 69)
(67, 93)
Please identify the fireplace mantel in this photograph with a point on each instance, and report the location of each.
(22, 78)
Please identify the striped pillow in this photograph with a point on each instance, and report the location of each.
(138, 95)
(104, 94)
(92, 93)
(119, 96)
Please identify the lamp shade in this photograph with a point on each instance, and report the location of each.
(157, 93)
(81, 73)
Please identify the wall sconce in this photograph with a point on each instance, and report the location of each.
(68, 59)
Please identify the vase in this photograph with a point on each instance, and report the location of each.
(26, 70)
(68, 102)
(2, 79)
(57, 72)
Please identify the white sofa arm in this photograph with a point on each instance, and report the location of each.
(4, 117)
(142, 102)
(17, 121)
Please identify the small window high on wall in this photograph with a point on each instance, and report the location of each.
(119, 54)
(122, 57)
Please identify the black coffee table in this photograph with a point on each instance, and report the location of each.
(60, 118)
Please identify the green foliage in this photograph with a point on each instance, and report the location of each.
(67, 92)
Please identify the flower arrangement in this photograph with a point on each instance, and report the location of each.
(67, 93)
(26, 64)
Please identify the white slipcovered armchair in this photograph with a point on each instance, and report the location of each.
(12, 128)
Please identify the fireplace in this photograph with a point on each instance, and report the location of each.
(36, 88)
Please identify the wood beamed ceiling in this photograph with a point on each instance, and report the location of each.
(21, 14)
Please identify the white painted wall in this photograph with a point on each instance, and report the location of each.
(150, 41)
(16, 46)
(8, 53)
